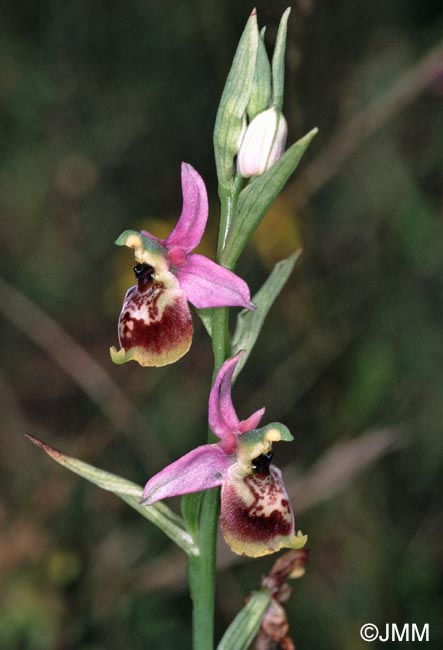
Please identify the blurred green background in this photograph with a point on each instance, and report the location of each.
(99, 104)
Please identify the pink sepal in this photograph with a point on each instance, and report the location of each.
(202, 468)
(223, 419)
(191, 225)
(208, 284)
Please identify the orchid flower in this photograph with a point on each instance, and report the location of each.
(256, 516)
(155, 325)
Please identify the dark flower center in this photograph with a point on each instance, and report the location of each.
(260, 465)
(144, 274)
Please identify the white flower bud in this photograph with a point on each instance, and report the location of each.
(263, 143)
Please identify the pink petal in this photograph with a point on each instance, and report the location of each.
(208, 284)
(202, 468)
(191, 225)
(252, 421)
(223, 419)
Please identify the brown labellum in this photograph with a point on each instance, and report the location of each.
(155, 325)
(256, 513)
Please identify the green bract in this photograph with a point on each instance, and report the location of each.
(249, 323)
(233, 104)
(245, 625)
(256, 199)
(262, 86)
(278, 62)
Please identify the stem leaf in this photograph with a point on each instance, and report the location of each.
(249, 323)
(190, 508)
(246, 624)
(159, 514)
(257, 197)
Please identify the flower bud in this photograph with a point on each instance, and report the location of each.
(263, 143)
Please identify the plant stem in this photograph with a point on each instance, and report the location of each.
(202, 568)
(202, 574)
(221, 340)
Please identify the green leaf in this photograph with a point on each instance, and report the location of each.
(278, 62)
(190, 507)
(233, 104)
(205, 316)
(240, 634)
(159, 514)
(257, 197)
(261, 87)
(249, 323)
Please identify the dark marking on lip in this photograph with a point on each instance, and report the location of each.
(261, 464)
(267, 517)
(140, 325)
(145, 276)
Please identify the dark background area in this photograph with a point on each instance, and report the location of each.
(99, 104)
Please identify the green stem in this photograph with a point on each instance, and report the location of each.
(202, 568)
(221, 339)
(202, 574)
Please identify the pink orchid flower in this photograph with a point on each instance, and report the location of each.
(256, 516)
(155, 325)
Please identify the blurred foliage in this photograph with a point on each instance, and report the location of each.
(99, 103)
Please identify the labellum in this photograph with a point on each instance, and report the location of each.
(155, 324)
(256, 516)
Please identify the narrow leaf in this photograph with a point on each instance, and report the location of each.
(246, 624)
(205, 316)
(249, 323)
(261, 93)
(190, 508)
(257, 197)
(159, 514)
(233, 104)
(278, 62)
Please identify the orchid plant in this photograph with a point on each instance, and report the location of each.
(155, 328)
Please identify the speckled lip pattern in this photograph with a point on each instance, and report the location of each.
(256, 513)
(155, 323)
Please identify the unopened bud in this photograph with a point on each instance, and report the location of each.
(263, 143)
